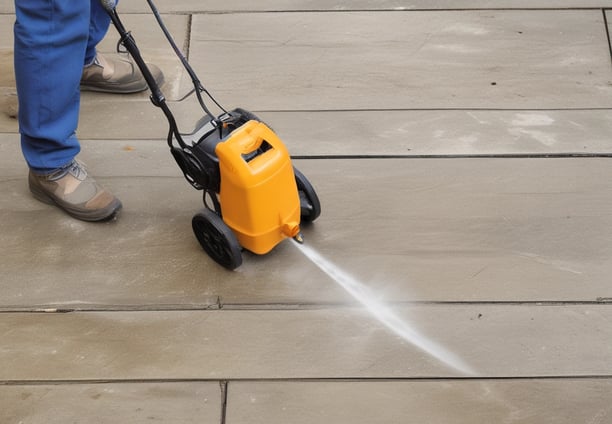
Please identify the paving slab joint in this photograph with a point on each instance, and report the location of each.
(604, 12)
(223, 384)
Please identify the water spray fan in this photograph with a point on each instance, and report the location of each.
(253, 196)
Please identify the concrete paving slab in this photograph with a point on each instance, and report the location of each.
(520, 230)
(532, 401)
(472, 59)
(338, 133)
(445, 132)
(111, 403)
(6, 33)
(492, 340)
(8, 96)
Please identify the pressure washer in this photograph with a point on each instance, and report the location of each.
(253, 196)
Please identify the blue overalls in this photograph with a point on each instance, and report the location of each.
(54, 39)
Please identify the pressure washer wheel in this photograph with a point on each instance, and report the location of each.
(217, 239)
(310, 207)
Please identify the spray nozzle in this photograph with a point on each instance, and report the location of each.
(291, 229)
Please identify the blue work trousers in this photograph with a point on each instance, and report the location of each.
(54, 39)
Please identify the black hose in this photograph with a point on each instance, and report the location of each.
(199, 88)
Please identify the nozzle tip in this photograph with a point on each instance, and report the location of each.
(299, 238)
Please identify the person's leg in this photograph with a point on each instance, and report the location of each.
(51, 38)
(99, 22)
(50, 41)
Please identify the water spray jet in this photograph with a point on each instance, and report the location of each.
(383, 313)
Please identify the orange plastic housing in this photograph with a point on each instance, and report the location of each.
(259, 197)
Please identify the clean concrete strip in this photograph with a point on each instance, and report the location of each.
(409, 132)
(352, 133)
(533, 401)
(445, 132)
(495, 340)
(134, 403)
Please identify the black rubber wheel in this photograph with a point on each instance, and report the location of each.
(217, 239)
(310, 207)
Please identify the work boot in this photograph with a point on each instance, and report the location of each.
(73, 190)
(116, 75)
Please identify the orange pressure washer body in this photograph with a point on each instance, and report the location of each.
(258, 193)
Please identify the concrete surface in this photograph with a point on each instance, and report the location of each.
(493, 401)
(461, 153)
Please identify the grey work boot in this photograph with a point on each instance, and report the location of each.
(116, 75)
(74, 191)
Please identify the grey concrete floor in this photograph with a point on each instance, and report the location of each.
(461, 151)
